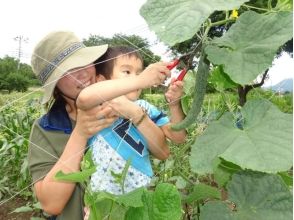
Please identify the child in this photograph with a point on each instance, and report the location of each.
(139, 130)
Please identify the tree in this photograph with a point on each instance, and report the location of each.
(218, 30)
(12, 78)
(134, 41)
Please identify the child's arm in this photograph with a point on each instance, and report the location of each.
(102, 91)
(153, 134)
(173, 97)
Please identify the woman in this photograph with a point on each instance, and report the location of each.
(58, 139)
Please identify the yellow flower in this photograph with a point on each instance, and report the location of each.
(234, 14)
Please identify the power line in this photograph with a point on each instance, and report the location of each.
(20, 39)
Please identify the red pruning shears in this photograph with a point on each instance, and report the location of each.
(175, 63)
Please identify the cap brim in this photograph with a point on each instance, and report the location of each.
(80, 58)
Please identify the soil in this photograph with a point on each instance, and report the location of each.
(9, 206)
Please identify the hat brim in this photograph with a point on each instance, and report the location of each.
(80, 58)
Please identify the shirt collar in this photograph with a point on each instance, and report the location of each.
(56, 119)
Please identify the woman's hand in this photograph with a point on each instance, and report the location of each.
(94, 120)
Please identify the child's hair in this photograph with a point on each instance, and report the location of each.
(104, 65)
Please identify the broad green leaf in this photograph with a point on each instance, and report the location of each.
(132, 199)
(77, 177)
(223, 170)
(216, 210)
(284, 5)
(137, 213)
(288, 179)
(176, 21)
(221, 80)
(201, 192)
(250, 45)
(179, 181)
(166, 203)
(189, 82)
(256, 196)
(264, 143)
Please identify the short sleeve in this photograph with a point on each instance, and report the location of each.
(156, 115)
(41, 155)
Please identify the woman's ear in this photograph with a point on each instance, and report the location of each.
(100, 77)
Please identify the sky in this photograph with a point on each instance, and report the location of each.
(33, 19)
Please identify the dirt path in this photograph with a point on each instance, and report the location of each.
(11, 205)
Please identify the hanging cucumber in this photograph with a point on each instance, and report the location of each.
(199, 93)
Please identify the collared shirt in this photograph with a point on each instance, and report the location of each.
(115, 145)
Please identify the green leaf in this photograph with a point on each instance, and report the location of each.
(216, 210)
(176, 21)
(87, 161)
(263, 144)
(223, 170)
(166, 203)
(137, 213)
(179, 181)
(189, 82)
(77, 177)
(132, 199)
(221, 80)
(256, 196)
(284, 5)
(22, 209)
(202, 192)
(250, 45)
(287, 178)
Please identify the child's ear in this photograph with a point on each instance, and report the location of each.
(100, 77)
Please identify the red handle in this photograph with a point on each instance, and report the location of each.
(181, 75)
(173, 64)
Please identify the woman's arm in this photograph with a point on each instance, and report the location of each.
(54, 195)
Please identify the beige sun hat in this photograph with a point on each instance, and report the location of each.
(57, 53)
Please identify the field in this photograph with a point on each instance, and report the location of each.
(18, 111)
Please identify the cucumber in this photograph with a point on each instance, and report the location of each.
(199, 93)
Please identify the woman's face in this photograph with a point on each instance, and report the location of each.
(75, 80)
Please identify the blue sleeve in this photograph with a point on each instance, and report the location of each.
(156, 115)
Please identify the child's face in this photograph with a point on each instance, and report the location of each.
(125, 66)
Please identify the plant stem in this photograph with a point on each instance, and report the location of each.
(252, 7)
(185, 178)
(269, 4)
(218, 23)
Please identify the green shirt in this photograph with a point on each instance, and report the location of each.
(45, 148)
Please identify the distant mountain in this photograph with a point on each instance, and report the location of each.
(285, 85)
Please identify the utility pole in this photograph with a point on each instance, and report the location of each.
(20, 39)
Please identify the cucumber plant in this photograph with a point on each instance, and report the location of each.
(249, 148)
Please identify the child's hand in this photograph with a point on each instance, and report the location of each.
(155, 74)
(123, 107)
(174, 92)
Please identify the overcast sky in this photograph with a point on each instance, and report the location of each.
(32, 19)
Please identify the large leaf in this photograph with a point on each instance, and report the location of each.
(220, 80)
(176, 21)
(166, 203)
(201, 192)
(256, 196)
(264, 142)
(250, 45)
